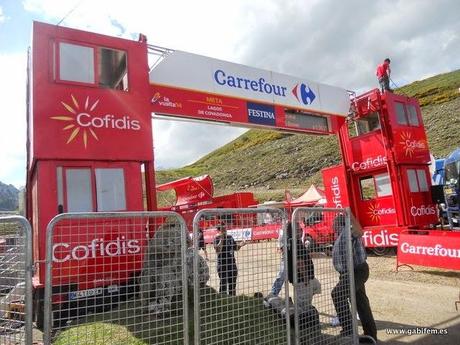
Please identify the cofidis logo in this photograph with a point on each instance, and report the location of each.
(375, 212)
(262, 114)
(82, 119)
(410, 145)
(303, 94)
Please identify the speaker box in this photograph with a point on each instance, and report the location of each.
(437, 194)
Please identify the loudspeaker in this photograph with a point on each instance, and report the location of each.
(437, 194)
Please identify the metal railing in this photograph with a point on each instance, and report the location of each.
(16, 272)
(118, 276)
(237, 304)
(126, 276)
(325, 306)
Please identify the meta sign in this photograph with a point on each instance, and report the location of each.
(198, 87)
(430, 248)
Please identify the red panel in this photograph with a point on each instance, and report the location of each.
(47, 198)
(382, 236)
(378, 211)
(410, 144)
(367, 152)
(335, 187)
(77, 121)
(190, 189)
(430, 248)
(211, 107)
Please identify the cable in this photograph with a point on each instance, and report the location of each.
(396, 86)
(70, 12)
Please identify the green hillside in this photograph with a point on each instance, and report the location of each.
(267, 162)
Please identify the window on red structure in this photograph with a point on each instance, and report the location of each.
(86, 189)
(375, 186)
(91, 66)
(417, 180)
(406, 114)
(365, 125)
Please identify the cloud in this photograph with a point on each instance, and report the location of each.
(334, 42)
(341, 42)
(2, 16)
(181, 143)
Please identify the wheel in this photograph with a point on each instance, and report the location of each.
(380, 251)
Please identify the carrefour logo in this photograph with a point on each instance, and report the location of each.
(262, 114)
(81, 120)
(239, 82)
(303, 94)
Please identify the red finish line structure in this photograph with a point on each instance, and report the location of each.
(91, 99)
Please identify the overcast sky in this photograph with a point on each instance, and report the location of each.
(333, 42)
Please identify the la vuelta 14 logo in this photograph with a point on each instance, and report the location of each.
(375, 212)
(410, 145)
(82, 119)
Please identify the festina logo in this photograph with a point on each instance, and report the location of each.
(261, 113)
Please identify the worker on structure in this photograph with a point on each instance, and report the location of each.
(383, 75)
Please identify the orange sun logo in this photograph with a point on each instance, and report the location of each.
(75, 113)
(373, 212)
(407, 144)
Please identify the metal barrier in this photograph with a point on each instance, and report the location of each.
(16, 272)
(316, 300)
(119, 277)
(231, 308)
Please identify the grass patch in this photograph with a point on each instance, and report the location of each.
(435, 90)
(227, 319)
(98, 334)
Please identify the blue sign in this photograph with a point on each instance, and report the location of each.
(261, 114)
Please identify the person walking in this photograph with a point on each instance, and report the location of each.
(225, 247)
(341, 293)
(383, 75)
(281, 276)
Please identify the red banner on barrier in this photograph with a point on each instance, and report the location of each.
(256, 233)
(430, 248)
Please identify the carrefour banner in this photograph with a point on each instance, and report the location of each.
(430, 248)
(199, 73)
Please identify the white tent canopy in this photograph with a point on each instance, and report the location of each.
(312, 195)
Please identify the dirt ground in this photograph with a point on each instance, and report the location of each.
(408, 300)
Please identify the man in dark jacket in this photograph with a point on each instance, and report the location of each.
(225, 247)
(341, 292)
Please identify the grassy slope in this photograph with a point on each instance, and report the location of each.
(266, 162)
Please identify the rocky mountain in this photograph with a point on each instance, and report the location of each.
(8, 197)
(267, 162)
